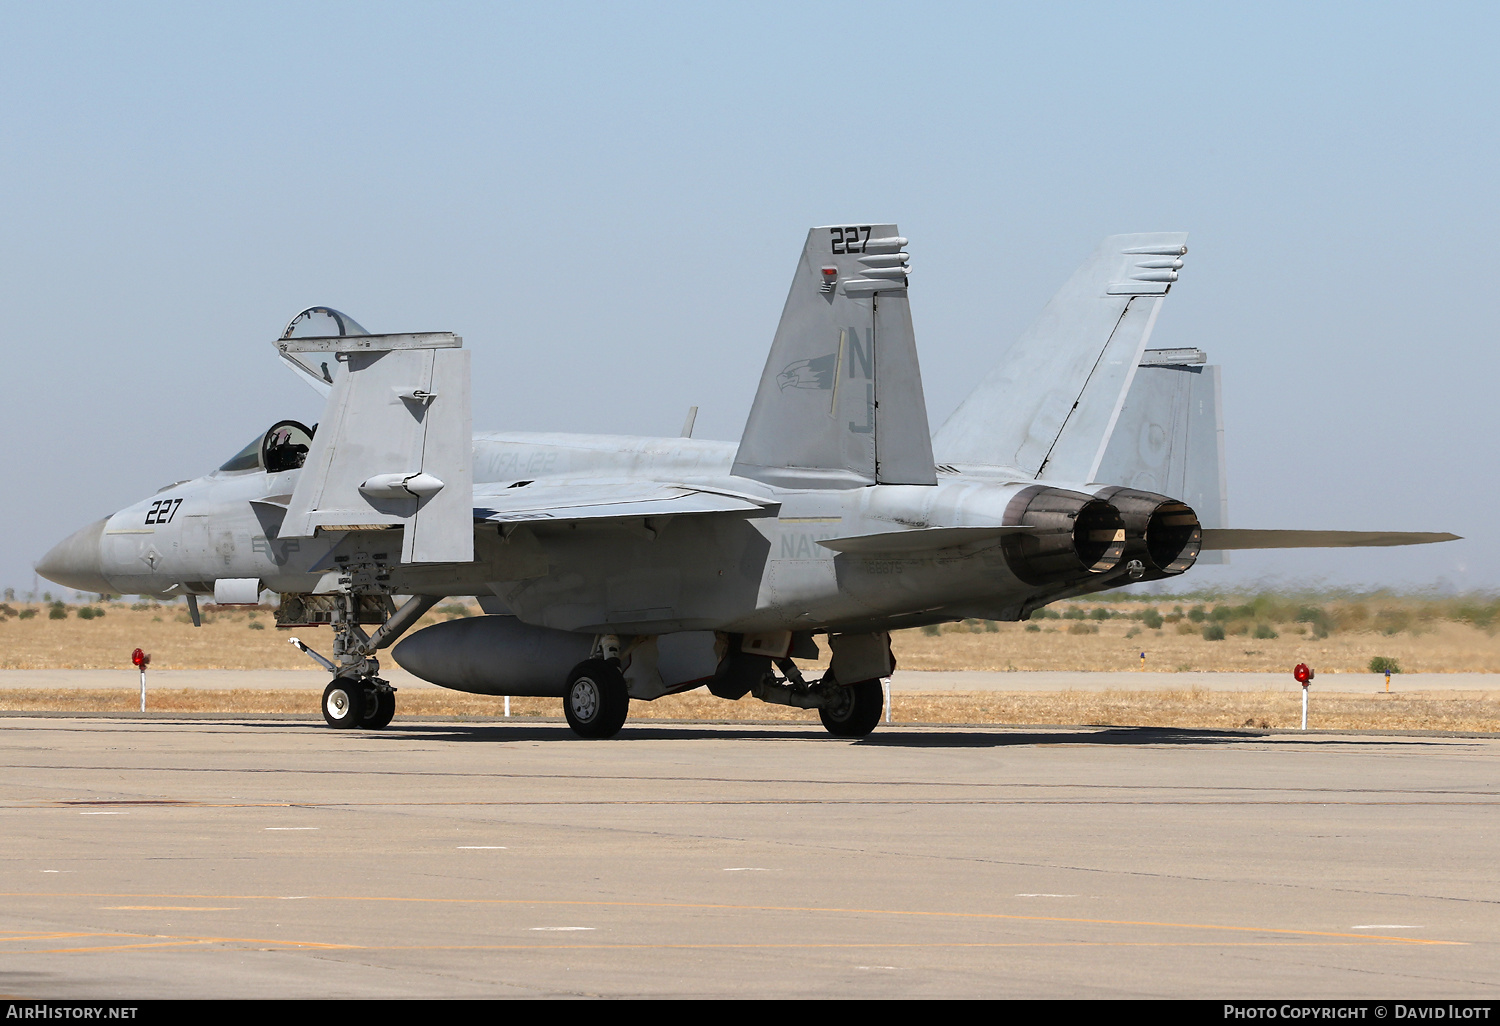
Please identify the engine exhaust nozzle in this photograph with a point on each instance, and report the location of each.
(1074, 536)
(1162, 532)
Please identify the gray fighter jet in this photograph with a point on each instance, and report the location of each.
(620, 568)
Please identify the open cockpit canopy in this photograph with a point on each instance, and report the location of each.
(284, 447)
(318, 322)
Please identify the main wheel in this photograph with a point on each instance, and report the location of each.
(384, 708)
(596, 700)
(346, 702)
(859, 713)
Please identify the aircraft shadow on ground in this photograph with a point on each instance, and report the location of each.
(958, 737)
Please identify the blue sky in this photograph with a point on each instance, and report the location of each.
(607, 202)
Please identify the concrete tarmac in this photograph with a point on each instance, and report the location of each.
(904, 680)
(243, 857)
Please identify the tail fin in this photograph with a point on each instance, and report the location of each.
(840, 401)
(1048, 409)
(1169, 437)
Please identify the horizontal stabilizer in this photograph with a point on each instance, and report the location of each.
(1239, 538)
(921, 540)
(595, 500)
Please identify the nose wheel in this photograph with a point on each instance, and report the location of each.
(368, 703)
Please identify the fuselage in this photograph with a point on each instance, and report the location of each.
(711, 571)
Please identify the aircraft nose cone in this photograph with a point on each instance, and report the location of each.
(74, 562)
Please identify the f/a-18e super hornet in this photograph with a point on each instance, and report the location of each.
(620, 568)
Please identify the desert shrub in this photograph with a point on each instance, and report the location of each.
(932, 630)
(1083, 628)
(1480, 614)
(27, 613)
(1392, 621)
(57, 611)
(455, 610)
(1265, 630)
(256, 625)
(1213, 632)
(1197, 614)
(1384, 664)
(1033, 627)
(1101, 613)
(1073, 613)
(1151, 618)
(89, 612)
(1185, 628)
(1317, 620)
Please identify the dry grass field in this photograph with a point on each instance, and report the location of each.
(1262, 634)
(1341, 634)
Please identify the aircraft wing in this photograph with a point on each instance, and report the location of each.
(564, 500)
(1241, 538)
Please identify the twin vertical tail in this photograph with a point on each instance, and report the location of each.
(840, 402)
(1049, 408)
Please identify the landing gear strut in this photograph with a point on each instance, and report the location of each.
(847, 710)
(357, 697)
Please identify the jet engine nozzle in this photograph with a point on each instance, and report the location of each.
(1163, 533)
(1075, 536)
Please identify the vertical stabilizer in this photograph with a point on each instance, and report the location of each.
(840, 402)
(1169, 438)
(1049, 408)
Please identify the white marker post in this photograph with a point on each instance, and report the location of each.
(885, 683)
(141, 660)
(1303, 674)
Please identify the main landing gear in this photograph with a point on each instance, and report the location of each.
(597, 699)
(847, 710)
(853, 711)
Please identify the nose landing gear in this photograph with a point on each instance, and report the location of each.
(356, 697)
(365, 702)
